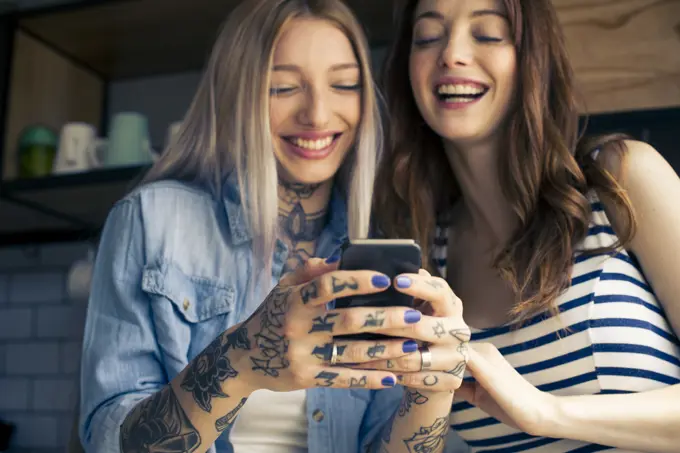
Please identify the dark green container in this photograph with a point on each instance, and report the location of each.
(37, 151)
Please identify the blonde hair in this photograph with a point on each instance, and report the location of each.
(226, 128)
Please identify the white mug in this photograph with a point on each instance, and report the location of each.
(78, 144)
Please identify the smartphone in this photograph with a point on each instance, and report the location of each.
(391, 257)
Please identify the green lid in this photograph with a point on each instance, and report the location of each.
(38, 135)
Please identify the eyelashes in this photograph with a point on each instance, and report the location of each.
(278, 91)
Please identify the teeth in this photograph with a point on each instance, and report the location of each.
(460, 89)
(313, 144)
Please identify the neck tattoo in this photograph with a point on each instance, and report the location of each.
(299, 229)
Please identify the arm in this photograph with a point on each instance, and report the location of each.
(410, 410)
(121, 359)
(127, 402)
(191, 411)
(646, 421)
(424, 417)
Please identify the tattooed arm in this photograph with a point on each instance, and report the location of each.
(196, 407)
(421, 423)
(284, 346)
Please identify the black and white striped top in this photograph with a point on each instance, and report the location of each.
(618, 341)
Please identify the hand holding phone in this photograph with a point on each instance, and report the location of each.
(391, 257)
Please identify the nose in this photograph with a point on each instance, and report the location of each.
(458, 52)
(315, 110)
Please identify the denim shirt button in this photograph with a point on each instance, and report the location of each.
(318, 415)
(186, 304)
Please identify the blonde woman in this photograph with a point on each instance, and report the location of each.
(274, 165)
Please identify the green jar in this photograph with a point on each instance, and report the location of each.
(37, 151)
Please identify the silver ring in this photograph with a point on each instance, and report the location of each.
(334, 355)
(425, 359)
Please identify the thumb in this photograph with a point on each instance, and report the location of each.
(424, 273)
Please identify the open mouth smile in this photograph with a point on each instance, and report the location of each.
(316, 146)
(460, 94)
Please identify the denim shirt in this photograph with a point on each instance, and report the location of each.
(172, 274)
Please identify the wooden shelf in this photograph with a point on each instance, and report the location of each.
(64, 204)
(136, 38)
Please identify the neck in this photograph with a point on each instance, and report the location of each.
(303, 211)
(485, 208)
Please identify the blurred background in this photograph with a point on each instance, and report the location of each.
(90, 93)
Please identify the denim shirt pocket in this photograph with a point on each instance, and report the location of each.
(196, 299)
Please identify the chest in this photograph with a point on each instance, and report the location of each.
(486, 296)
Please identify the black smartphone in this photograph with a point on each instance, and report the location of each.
(391, 257)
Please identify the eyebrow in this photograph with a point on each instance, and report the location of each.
(476, 13)
(489, 12)
(295, 68)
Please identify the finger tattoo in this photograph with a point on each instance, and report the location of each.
(323, 323)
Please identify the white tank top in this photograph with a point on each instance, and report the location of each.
(271, 422)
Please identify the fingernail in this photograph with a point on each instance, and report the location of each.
(403, 282)
(333, 259)
(389, 381)
(380, 281)
(412, 316)
(410, 346)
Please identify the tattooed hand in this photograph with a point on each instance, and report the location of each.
(290, 337)
(442, 328)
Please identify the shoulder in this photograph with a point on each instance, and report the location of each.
(174, 218)
(178, 191)
(631, 161)
(170, 203)
(647, 180)
(653, 187)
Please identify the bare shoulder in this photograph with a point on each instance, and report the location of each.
(653, 188)
(634, 162)
(647, 178)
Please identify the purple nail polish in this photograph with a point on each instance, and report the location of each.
(403, 282)
(412, 316)
(409, 346)
(380, 281)
(333, 259)
(388, 381)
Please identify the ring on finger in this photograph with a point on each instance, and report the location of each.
(334, 355)
(425, 359)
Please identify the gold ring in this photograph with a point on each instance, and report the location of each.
(425, 359)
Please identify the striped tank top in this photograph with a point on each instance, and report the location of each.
(618, 341)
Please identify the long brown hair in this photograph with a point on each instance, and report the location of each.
(546, 171)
